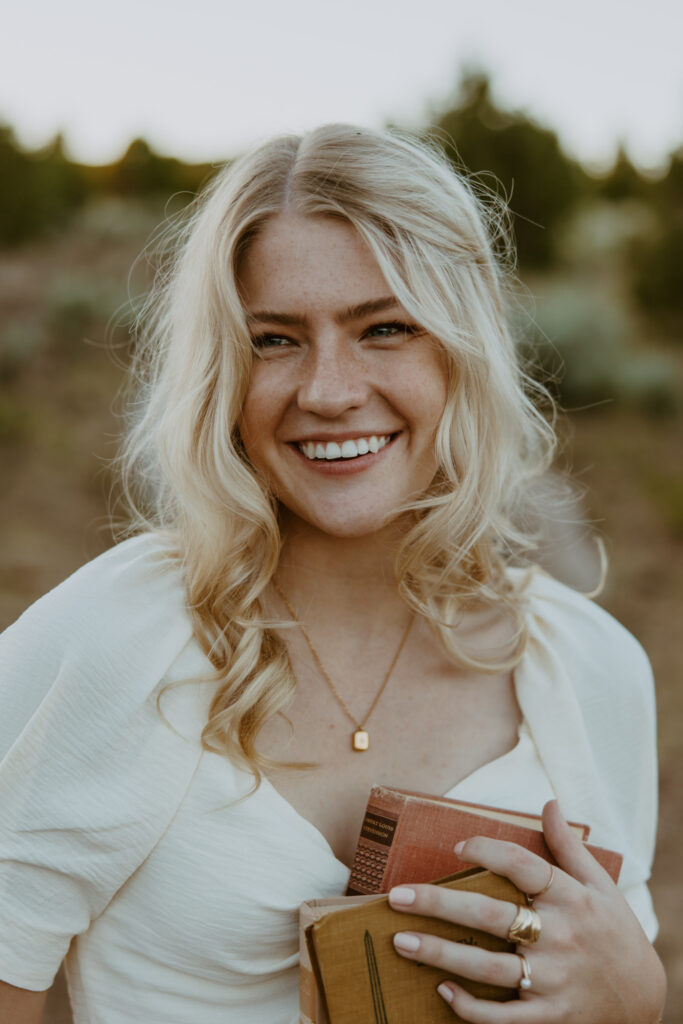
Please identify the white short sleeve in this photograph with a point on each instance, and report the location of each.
(91, 775)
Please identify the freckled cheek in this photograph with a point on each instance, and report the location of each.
(431, 392)
(257, 421)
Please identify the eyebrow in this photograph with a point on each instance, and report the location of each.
(344, 316)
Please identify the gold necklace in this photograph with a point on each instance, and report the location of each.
(360, 740)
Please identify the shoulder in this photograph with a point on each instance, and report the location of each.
(602, 658)
(122, 593)
(125, 577)
(112, 629)
(98, 747)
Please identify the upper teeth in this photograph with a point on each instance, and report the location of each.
(345, 450)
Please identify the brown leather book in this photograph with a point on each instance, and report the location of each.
(360, 977)
(311, 1007)
(409, 837)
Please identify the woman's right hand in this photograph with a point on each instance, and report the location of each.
(593, 962)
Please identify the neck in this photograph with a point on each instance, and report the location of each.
(347, 583)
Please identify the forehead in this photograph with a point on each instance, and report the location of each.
(313, 262)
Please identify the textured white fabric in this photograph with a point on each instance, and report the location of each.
(116, 828)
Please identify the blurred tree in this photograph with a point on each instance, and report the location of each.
(541, 182)
(623, 180)
(657, 261)
(143, 173)
(16, 215)
(58, 184)
(39, 189)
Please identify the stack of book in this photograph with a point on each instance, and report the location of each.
(350, 971)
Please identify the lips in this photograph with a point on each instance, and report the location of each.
(350, 448)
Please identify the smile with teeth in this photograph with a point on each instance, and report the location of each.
(346, 449)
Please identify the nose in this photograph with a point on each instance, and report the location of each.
(333, 381)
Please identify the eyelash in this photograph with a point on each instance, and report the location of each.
(262, 341)
(266, 340)
(396, 326)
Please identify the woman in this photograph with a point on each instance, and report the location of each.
(333, 450)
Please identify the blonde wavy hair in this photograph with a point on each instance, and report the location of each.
(184, 470)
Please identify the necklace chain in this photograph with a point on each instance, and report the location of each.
(362, 743)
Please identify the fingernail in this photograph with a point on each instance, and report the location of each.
(402, 896)
(445, 992)
(459, 847)
(407, 942)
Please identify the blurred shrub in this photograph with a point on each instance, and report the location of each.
(601, 233)
(76, 303)
(114, 218)
(647, 380)
(579, 343)
(657, 264)
(20, 340)
(15, 421)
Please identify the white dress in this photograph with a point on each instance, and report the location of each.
(122, 846)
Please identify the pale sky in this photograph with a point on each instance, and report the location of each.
(201, 78)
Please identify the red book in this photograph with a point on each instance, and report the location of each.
(409, 837)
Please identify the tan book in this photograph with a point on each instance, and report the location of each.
(359, 976)
(410, 837)
(311, 1007)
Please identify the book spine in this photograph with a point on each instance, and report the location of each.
(377, 835)
(311, 1004)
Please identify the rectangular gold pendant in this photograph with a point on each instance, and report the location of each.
(361, 740)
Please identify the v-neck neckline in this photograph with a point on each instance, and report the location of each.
(522, 735)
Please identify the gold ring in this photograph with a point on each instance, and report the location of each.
(525, 981)
(531, 896)
(526, 927)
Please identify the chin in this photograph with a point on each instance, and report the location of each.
(341, 528)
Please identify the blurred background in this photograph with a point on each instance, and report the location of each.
(110, 121)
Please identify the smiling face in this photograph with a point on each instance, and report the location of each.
(346, 390)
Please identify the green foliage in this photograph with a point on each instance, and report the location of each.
(600, 233)
(39, 190)
(142, 172)
(622, 181)
(540, 181)
(15, 421)
(658, 270)
(20, 341)
(113, 218)
(76, 303)
(42, 189)
(657, 260)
